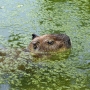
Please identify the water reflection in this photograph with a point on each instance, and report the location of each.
(4, 87)
(18, 16)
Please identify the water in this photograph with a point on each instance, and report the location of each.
(20, 18)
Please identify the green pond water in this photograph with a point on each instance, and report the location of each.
(19, 19)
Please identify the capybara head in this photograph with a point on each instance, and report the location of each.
(45, 44)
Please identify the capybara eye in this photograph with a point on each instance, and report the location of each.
(50, 42)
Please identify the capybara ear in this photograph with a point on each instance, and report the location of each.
(34, 36)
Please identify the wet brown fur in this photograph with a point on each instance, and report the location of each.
(45, 44)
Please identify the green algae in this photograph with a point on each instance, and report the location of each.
(48, 16)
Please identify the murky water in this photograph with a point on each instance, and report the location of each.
(20, 18)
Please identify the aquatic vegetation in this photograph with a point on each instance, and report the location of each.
(45, 17)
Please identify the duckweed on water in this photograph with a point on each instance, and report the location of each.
(49, 74)
(19, 72)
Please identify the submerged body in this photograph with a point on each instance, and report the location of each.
(49, 44)
(46, 47)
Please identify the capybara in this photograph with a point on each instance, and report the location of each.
(46, 44)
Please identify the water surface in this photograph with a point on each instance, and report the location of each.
(20, 18)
